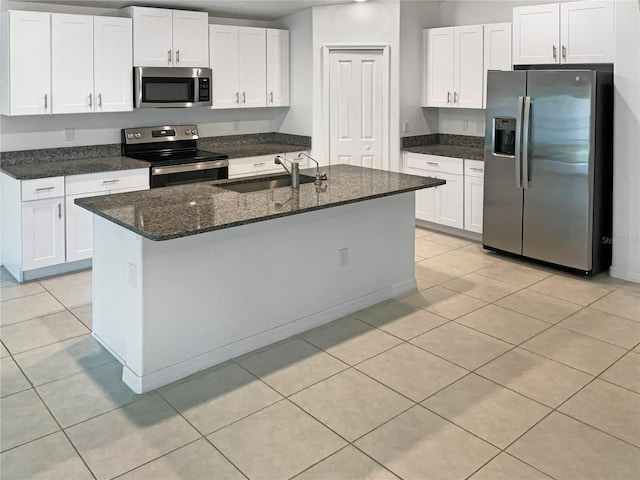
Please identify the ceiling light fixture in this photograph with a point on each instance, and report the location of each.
(366, 0)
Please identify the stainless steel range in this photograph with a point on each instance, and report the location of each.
(173, 154)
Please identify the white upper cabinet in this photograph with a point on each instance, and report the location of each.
(112, 64)
(572, 32)
(586, 32)
(72, 63)
(169, 38)
(25, 46)
(497, 50)
(453, 67)
(277, 68)
(190, 39)
(238, 61)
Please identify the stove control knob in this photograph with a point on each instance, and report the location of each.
(138, 135)
(187, 132)
(194, 132)
(129, 135)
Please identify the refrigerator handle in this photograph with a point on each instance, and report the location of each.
(525, 142)
(518, 148)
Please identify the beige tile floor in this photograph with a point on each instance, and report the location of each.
(493, 369)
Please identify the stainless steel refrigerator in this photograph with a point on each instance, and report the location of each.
(548, 166)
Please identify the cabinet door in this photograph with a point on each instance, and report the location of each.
(473, 193)
(586, 30)
(72, 63)
(449, 201)
(425, 204)
(152, 37)
(112, 64)
(438, 43)
(79, 228)
(277, 68)
(536, 34)
(252, 66)
(42, 233)
(497, 51)
(190, 39)
(223, 51)
(26, 63)
(468, 68)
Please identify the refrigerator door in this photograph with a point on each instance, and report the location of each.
(557, 219)
(502, 214)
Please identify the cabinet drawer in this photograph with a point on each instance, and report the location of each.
(40, 188)
(259, 165)
(107, 181)
(474, 168)
(435, 163)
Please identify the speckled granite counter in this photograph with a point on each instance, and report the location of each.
(256, 149)
(471, 153)
(180, 211)
(28, 171)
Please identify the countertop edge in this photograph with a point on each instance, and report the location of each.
(436, 182)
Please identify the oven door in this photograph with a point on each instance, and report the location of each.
(164, 176)
(171, 87)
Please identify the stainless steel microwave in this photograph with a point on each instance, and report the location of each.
(167, 87)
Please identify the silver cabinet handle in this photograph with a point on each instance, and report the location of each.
(259, 164)
(90, 100)
(59, 210)
(45, 101)
(564, 52)
(100, 100)
(177, 56)
(476, 169)
(237, 97)
(44, 189)
(525, 142)
(555, 53)
(107, 182)
(169, 56)
(271, 97)
(518, 142)
(244, 97)
(448, 97)
(455, 97)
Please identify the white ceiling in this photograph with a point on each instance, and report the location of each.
(254, 9)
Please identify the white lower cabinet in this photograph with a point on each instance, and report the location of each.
(473, 195)
(43, 233)
(79, 224)
(261, 165)
(458, 203)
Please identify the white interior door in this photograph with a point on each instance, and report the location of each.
(356, 107)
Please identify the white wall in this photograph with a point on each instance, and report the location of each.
(356, 23)
(626, 143)
(299, 118)
(415, 16)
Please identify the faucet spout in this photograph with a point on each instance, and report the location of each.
(319, 177)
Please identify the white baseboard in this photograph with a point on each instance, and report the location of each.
(624, 274)
(153, 380)
(449, 230)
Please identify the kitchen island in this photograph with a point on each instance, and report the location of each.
(189, 276)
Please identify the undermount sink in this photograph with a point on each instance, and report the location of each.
(262, 183)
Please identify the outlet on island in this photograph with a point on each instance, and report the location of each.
(344, 257)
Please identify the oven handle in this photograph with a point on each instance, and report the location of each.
(189, 167)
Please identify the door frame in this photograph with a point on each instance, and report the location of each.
(386, 72)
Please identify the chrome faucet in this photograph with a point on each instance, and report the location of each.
(294, 172)
(319, 177)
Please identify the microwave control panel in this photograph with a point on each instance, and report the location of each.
(203, 89)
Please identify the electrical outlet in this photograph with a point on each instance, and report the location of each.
(405, 127)
(133, 275)
(480, 127)
(465, 125)
(69, 134)
(236, 125)
(344, 257)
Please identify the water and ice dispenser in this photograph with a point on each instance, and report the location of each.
(504, 135)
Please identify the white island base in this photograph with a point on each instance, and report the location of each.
(168, 309)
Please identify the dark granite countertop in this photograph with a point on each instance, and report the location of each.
(28, 171)
(183, 210)
(256, 149)
(471, 153)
